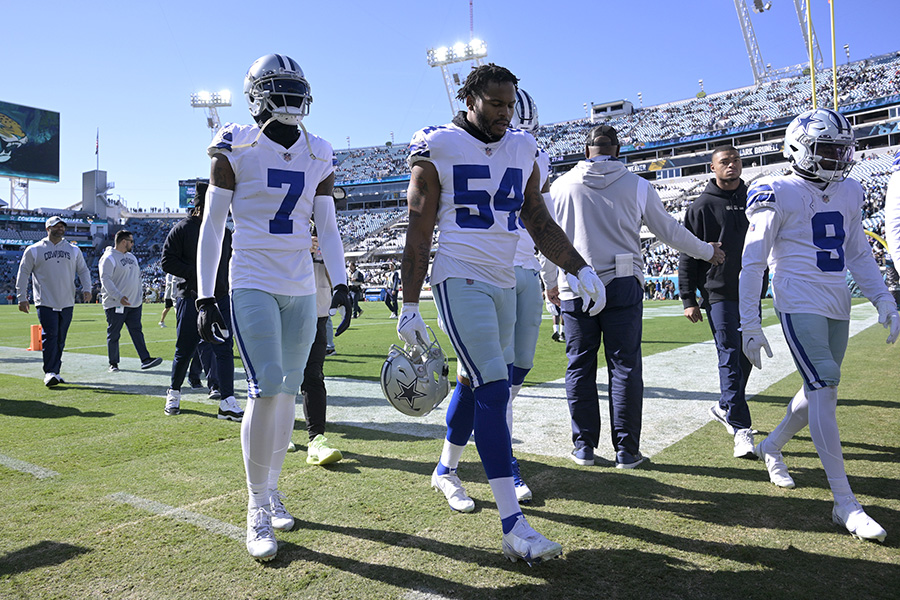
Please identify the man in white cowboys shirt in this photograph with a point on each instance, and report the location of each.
(808, 227)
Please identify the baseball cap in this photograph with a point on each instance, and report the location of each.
(602, 135)
(54, 220)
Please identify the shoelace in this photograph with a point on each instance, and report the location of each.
(261, 526)
(517, 478)
(278, 504)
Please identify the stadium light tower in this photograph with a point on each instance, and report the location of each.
(761, 71)
(211, 101)
(453, 61)
(847, 50)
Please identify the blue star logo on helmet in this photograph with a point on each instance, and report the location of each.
(409, 393)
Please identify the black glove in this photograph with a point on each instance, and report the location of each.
(341, 298)
(210, 323)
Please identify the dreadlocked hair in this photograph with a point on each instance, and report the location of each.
(481, 76)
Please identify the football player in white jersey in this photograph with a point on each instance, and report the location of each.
(529, 297)
(892, 211)
(473, 179)
(807, 227)
(273, 178)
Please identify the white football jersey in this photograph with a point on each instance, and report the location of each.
(271, 207)
(892, 212)
(482, 190)
(810, 238)
(525, 248)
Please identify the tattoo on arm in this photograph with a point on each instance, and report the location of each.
(547, 235)
(221, 174)
(422, 201)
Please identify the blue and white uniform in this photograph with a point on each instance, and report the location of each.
(529, 299)
(809, 237)
(482, 191)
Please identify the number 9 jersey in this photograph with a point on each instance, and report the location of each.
(810, 237)
(482, 191)
(271, 207)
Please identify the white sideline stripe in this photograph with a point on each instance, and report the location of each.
(679, 387)
(24, 467)
(179, 514)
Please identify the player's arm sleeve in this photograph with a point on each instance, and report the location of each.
(26, 266)
(330, 239)
(212, 232)
(861, 263)
(107, 266)
(670, 231)
(892, 216)
(757, 245)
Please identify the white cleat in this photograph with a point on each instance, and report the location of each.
(261, 542)
(281, 518)
(851, 515)
(743, 444)
(778, 473)
(523, 492)
(452, 488)
(524, 543)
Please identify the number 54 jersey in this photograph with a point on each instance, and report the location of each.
(810, 238)
(271, 207)
(482, 191)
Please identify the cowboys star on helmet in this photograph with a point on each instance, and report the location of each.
(819, 144)
(414, 379)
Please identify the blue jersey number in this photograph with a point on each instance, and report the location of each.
(282, 223)
(509, 197)
(828, 234)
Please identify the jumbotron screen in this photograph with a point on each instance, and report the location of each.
(29, 142)
(187, 190)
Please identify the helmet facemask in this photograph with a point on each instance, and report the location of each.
(820, 145)
(275, 88)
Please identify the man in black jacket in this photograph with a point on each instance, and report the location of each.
(179, 257)
(718, 216)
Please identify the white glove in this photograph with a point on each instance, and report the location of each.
(889, 318)
(411, 327)
(589, 287)
(752, 341)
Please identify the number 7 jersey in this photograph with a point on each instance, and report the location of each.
(482, 191)
(810, 237)
(271, 207)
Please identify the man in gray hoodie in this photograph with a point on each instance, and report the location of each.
(601, 206)
(51, 265)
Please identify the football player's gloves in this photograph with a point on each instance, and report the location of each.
(414, 379)
(341, 299)
(525, 117)
(588, 286)
(819, 144)
(752, 341)
(889, 318)
(210, 323)
(411, 327)
(275, 84)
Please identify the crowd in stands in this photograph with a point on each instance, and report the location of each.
(379, 232)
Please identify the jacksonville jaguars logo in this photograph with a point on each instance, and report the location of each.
(12, 136)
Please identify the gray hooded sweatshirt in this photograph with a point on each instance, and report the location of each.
(601, 206)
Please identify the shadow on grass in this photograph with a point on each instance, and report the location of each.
(32, 409)
(39, 555)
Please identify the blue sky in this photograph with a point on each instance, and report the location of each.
(129, 68)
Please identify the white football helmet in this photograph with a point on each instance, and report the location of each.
(414, 379)
(275, 83)
(526, 115)
(819, 144)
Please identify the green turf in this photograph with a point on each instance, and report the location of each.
(695, 524)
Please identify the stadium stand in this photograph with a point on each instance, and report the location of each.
(653, 138)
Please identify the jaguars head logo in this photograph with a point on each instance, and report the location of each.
(11, 137)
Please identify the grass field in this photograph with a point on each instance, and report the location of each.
(145, 506)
